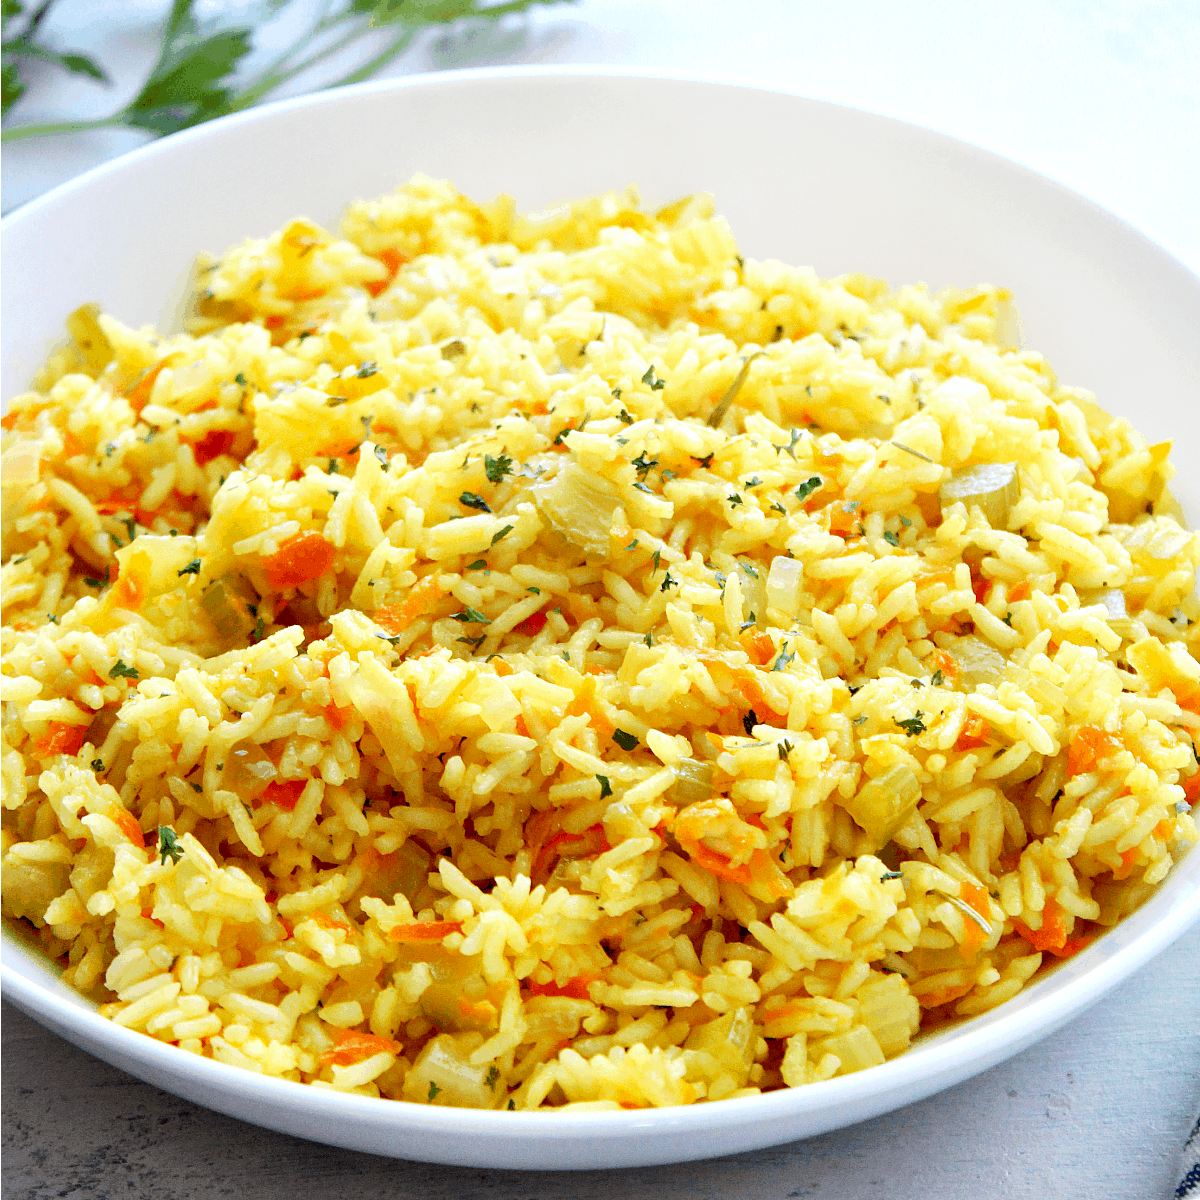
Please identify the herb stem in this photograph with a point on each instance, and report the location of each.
(28, 131)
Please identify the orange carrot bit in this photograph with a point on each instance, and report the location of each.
(337, 717)
(576, 989)
(423, 931)
(354, 1047)
(947, 664)
(212, 445)
(9, 419)
(1191, 788)
(1089, 746)
(1128, 862)
(945, 995)
(981, 587)
(533, 624)
(285, 795)
(568, 845)
(126, 822)
(1072, 946)
(975, 733)
(396, 618)
(329, 923)
(501, 667)
(1019, 591)
(138, 392)
(761, 649)
(1052, 935)
(60, 738)
(127, 593)
(301, 558)
(716, 864)
(975, 897)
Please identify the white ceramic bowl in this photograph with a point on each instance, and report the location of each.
(799, 180)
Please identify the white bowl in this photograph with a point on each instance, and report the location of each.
(799, 180)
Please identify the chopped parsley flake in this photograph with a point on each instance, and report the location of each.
(493, 1075)
(366, 371)
(193, 568)
(480, 564)
(938, 679)
(668, 582)
(168, 844)
(735, 500)
(704, 462)
(807, 488)
(891, 875)
(195, 787)
(472, 615)
(503, 533)
(121, 671)
(891, 538)
(749, 721)
(433, 1089)
(642, 465)
(641, 487)
(784, 748)
(913, 725)
(382, 455)
(605, 786)
(653, 380)
(752, 483)
(472, 500)
(97, 765)
(537, 591)
(626, 741)
(622, 416)
(861, 719)
(783, 659)
(497, 468)
(777, 507)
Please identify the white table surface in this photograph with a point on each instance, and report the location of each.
(1103, 95)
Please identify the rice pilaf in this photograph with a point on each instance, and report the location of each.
(546, 660)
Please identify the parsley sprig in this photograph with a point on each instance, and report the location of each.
(199, 73)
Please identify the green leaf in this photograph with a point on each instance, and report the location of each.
(472, 500)
(168, 844)
(497, 468)
(122, 671)
(12, 87)
(470, 614)
(605, 786)
(189, 82)
(627, 741)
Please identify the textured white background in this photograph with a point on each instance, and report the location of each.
(1103, 95)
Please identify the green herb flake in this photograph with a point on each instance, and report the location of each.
(382, 455)
(512, 1106)
(622, 416)
(642, 465)
(605, 786)
(752, 483)
(807, 488)
(497, 468)
(626, 741)
(195, 787)
(168, 844)
(749, 721)
(668, 582)
(784, 748)
(433, 1090)
(704, 462)
(656, 384)
(913, 725)
(52, 618)
(891, 538)
(537, 591)
(783, 659)
(97, 765)
(480, 564)
(121, 671)
(472, 500)
(861, 719)
(469, 614)
(906, 522)
(937, 679)
(239, 378)
(503, 533)
(891, 875)
(735, 500)
(642, 487)
(193, 568)
(366, 371)
(336, 401)
(493, 1075)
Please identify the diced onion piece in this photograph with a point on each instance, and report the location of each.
(856, 1048)
(1113, 600)
(783, 584)
(730, 1040)
(994, 487)
(20, 465)
(580, 504)
(247, 771)
(443, 1074)
(977, 662)
(754, 593)
(883, 806)
(91, 341)
(228, 608)
(693, 781)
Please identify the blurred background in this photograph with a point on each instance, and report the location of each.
(1103, 95)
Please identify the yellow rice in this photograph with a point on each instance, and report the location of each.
(599, 685)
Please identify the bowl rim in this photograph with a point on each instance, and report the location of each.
(937, 1063)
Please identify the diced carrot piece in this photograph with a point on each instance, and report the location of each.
(274, 321)
(424, 931)
(355, 1047)
(285, 795)
(940, 996)
(127, 823)
(138, 393)
(212, 445)
(1128, 858)
(576, 988)
(301, 558)
(396, 618)
(1071, 947)
(1089, 746)
(9, 419)
(975, 733)
(568, 845)
(337, 717)
(392, 258)
(981, 587)
(329, 923)
(716, 863)
(60, 738)
(761, 649)
(1052, 935)
(1191, 788)
(533, 624)
(947, 664)
(1019, 591)
(975, 896)
(501, 667)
